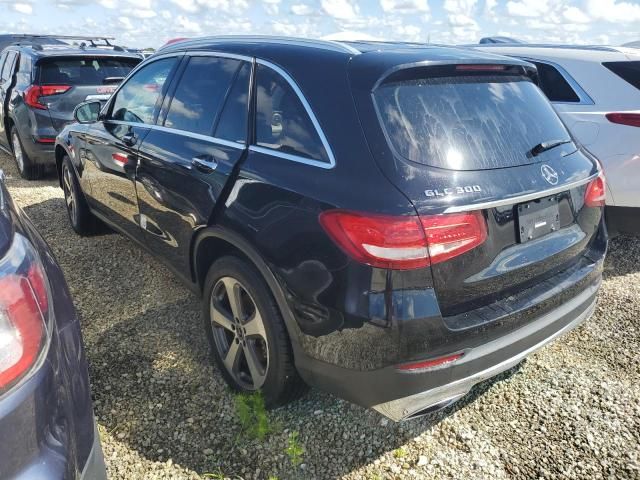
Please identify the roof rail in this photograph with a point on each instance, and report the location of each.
(305, 42)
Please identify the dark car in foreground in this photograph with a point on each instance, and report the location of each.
(42, 80)
(47, 429)
(391, 223)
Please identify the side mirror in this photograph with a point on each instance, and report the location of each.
(87, 112)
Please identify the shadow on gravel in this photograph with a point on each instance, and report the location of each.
(155, 389)
(623, 257)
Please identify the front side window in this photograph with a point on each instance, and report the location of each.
(282, 122)
(136, 101)
(200, 94)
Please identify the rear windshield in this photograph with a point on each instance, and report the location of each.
(628, 71)
(468, 123)
(84, 71)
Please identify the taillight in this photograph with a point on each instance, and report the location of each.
(23, 312)
(596, 193)
(480, 67)
(34, 92)
(403, 243)
(629, 119)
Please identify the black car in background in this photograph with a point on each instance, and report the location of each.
(391, 223)
(47, 428)
(42, 79)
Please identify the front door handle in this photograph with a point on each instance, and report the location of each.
(129, 139)
(204, 163)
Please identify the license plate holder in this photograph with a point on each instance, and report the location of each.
(538, 218)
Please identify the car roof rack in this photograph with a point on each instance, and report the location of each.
(93, 40)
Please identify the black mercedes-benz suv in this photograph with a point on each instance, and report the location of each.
(391, 223)
(42, 80)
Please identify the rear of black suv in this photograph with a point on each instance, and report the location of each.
(41, 86)
(503, 252)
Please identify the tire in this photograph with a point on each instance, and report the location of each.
(273, 372)
(27, 169)
(82, 220)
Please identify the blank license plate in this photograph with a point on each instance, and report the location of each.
(538, 218)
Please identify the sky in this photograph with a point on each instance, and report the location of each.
(149, 23)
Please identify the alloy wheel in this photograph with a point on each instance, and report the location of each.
(69, 193)
(239, 333)
(17, 151)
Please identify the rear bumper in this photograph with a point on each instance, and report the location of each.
(401, 395)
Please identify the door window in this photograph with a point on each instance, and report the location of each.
(200, 94)
(282, 121)
(3, 57)
(137, 100)
(8, 66)
(554, 85)
(232, 124)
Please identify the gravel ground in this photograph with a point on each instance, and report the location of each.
(571, 410)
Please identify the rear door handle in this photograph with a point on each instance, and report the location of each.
(204, 163)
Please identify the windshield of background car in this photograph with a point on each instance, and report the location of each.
(467, 122)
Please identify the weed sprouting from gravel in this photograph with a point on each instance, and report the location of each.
(252, 415)
(294, 450)
(399, 452)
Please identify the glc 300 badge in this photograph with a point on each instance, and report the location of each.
(549, 174)
(444, 192)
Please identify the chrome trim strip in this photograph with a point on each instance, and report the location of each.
(290, 157)
(519, 198)
(314, 120)
(199, 136)
(214, 53)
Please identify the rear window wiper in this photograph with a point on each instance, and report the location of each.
(544, 146)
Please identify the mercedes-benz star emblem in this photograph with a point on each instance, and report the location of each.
(549, 174)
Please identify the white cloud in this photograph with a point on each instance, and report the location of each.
(225, 6)
(23, 8)
(404, 6)
(111, 4)
(489, 7)
(302, 9)
(340, 9)
(614, 11)
(186, 25)
(528, 8)
(350, 35)
(272, 7)
(575, 15)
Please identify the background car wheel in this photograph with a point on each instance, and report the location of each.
(80, 217)
(247, 335)
(26, 167)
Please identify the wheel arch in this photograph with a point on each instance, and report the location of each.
(215, 242)
(60, 152)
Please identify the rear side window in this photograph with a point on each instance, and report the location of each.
(282, 122)
(200, 94)
(232, 124)
(554, 85)
(628, 71)
(467, 123)
(83, 71)
(136, 100)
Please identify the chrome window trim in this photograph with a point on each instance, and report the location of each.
(290, 157)
(314, 121)
(215, 53)
(584, 97)
(184, 133)
(520, 198)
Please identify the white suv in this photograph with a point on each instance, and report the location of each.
(596, 92)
